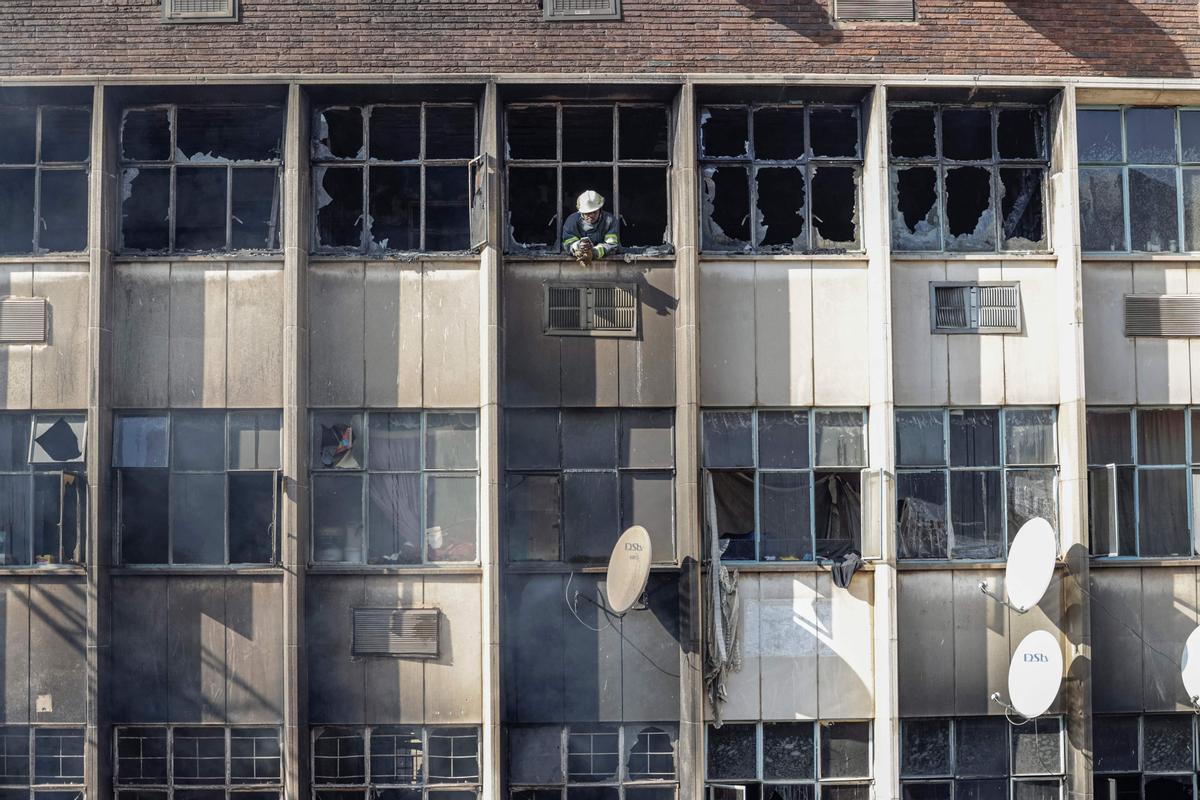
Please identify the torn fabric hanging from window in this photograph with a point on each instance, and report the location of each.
(722, 615)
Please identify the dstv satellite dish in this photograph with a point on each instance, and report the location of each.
(1030, 564)
(1189, 665)
(1035, 674)
(628, 569)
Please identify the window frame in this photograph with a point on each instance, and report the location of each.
(32, 785)
(231, 786)
(1142, 774)
(428, 787)
(623, 779)
(817, 780)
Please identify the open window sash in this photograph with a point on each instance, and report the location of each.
(1102, 507)
(722, 791)
(877, 510)
(65, 521)
(478, 184)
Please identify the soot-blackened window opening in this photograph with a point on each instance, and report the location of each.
(393, 178)
(556, 151)
(44, 156)
(201, 179)
(780, 178)
(968, 178)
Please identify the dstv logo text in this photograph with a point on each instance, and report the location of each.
(633, 547)
(1037, 658)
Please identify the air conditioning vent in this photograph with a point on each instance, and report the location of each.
(22, 320)
(396, 632)
(975, 307)
(577, 10)
(890, 10)
(1176, 315)
(200, 10)
(591, 309)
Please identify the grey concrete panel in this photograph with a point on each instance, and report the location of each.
(16, 360)
(454, 680)
(532, 375)
(254, 650)
(450, 337)
(335, 682)
(60, 367)
(650, 655)
(591, 657)
(14, 657)
(1047, 615)
(255, 338)
(1116, 622)
(727, 334)
(845, 654)
(395, 686)
(139, 649)
(198, 330)
(335, 334)
(196, 649)
(589, 371)
(1108, 356)
(981, 647)
(58, 674)
(142, 309)
(648, 362)
(1168, 618)
(534, 642)
(787, 632)
(926, 643)
(783, 333)
(393, 344)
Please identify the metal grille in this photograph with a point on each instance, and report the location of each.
(23, 319)
(951, 306)
(876, 9)
(200, 10)
(574, 9)
(614, 308)
(999, 307)
(1162, 315)
(399, 632)
(975, 308)
(591, 310)
(566, 308)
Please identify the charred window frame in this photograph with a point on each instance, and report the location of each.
(618, 762)
(160, 762)
(1143, 480)
(177, 472)
(576, 478)
(201, 179)
(395, 177)
(967, 479)
(961, 757)
(41, 762)
(45, 154)
(556, 151)
(395, 488)
(43, 489)
(782, 178)
(784, 484)
(1139, 179)
(968, 178)
(410, 762)
(1144, 756)
(824, 760)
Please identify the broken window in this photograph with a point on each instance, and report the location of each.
(556, 151)
(978, 758)
(968, 178)
(393, 178)
(636, 761)
(43, 489)
(1143, 470)
(402, 762)
(197, 762)
(789, 760)
(44, 156)
(577, 478)
(197, 487)
(785, 484)
(394, 487)
(968, 479)
(780, 178)
(1143, 757)
(41, 761)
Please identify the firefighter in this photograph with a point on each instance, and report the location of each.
(591, 232)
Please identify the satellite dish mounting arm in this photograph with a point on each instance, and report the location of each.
(986, 589)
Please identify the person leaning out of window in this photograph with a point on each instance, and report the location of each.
(591, 232)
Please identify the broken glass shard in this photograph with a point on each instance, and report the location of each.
(780, 213)
(146, 208)
(532, 132)
(16, 211)
(732, 752)
(395, 133)
(724, 132)
(914, 132)
(779, 133)
(395, 205)
(835, 207)
(1099, 134)
(64, 206)
(1150, 135)
(726, 224)
(255, 201)
(833, 132)
(1021, 202)
(449, 132)
(229, 133)
(66, 134)
(200, 208)
(339, 206)
(19, 143)
(587, 133)
(1153, 210)
(788, 751)
(967, 134)
(970, 219)
(146, 135)
(925, 749)
(643, 132)
(533, 206)
(643, 202)
(1101, 209)
(340, 133)
(915, 216)
(1020, 133)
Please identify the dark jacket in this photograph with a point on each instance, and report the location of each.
(603, 235)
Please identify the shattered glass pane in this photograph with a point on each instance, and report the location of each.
(533, 204)
(967, 134)
(1191, 209)
(1189, 136)
(980, 746)
(724, 132)
(66, 134)
(200, 208)
(838, 439)
(1021, 202)
(643, 132)
(780, 192)
(732, 752)
(728, 439)
(395, 203)
(146, 135)
(920, 438)
(532, 132)
(395, 133)
(1153, 210)
(788, 751)
(340, 133)
(229, 133)
(1048, 790)
(1099, 135)
(1101, 210)
(916, 218)
(449, 132)
(726, 224)
(779, 133)
(16, 210)
(18, 145)
(1115, 743)
(784, 513)
(977, 514)
(1020, 133)
(776, 791)
(913, 132)
(921, 515)
(1037, 747)
(835, 207)
(643, 204)
(339, 206)
(783, 439)
(1150, 135)
(925, 750)
(845, 749)
(146, 208)
(974, 438)
(833, 132)
(587, 133)
(255, 224)
(970, 218)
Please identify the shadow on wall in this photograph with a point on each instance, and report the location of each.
(809, 18)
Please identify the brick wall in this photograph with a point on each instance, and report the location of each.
(1142, 38)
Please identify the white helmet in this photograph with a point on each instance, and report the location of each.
(589, 201)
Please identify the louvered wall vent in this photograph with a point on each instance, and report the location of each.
(22, 320)
(904, 10)
(975, 307)
(200, 10)
(581, 9)
(396, 632)
(608, 309)
(1162, 315)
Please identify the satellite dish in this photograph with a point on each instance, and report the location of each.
(1030, 564)
(628, 569)
(1189, 665)
(1035, 674)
